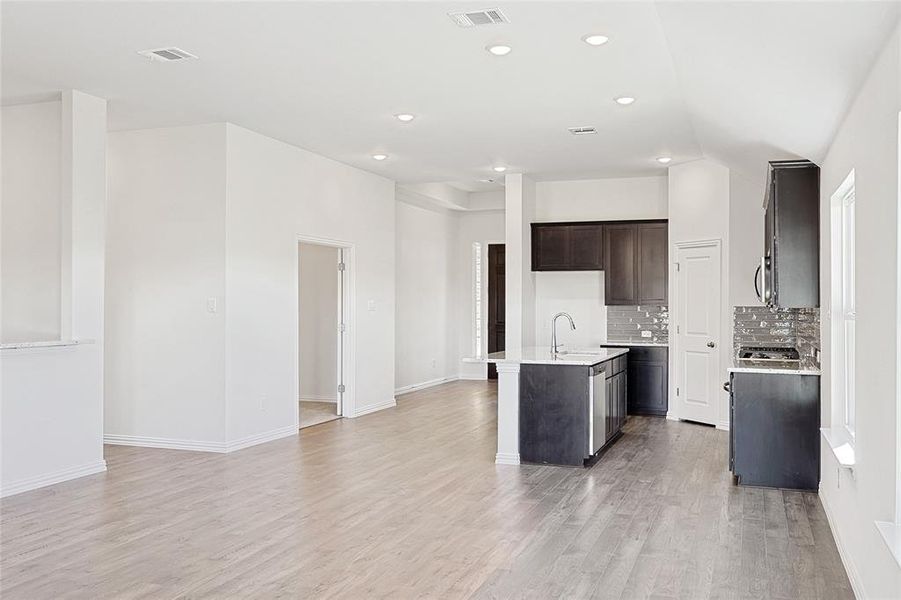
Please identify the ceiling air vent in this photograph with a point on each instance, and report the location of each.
(489, 16)
(167, 54)
(582, 130)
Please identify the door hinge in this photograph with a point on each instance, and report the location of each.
(341, 266)
(341, 388)
(677, 391)
(342, 327)
(677, 266)
(677, 329)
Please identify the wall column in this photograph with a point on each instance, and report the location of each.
(507, 414)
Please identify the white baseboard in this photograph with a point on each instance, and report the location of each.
(200, 446)
(261, 438)
(425, 384)
(313, 398)
(365, 410)
(506, 458)
(33, 483)
(850, 568)
(165, 443)
(463, 377)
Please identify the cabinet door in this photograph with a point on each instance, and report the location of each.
(611, 394)
(620, 253)
(586, 247)
(623, 396)
(550, 247)
(647, 387)
(652, 263)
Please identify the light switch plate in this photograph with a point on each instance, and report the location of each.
(370, 306)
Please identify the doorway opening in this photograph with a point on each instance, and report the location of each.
(321, 329)
(496, 302)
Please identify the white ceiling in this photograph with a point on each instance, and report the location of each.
(740, 82)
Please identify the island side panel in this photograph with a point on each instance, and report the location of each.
(553, 414)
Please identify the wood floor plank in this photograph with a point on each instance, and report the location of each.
(408, 503)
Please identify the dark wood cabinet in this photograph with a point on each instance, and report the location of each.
(620, 274)
(653, 251)
(563, 419)
(636, 257)
(774, 430)
(791, 263)
(567, 246)
(632, 254)
(648, 379)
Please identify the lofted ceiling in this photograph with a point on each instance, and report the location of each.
(739, 82)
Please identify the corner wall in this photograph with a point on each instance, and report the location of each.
(275, 193)
(699, 210)
(51, 401)
(867, 142)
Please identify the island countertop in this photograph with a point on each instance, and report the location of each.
(540, 355)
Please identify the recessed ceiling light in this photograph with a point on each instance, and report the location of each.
(499, 49)
(379, 156)
(624, 100)
(595, 39)
(663, 159)
(405, 117)
(499, 169)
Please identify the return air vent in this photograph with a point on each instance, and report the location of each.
(167, 54)
(488, 16)
(582, 130)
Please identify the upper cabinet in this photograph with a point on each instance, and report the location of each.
(567, 246)
(791, 259)
(636, 254)
(632, 254)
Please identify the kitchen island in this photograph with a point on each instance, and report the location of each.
(559, 408)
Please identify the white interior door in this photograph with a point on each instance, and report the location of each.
(699, 289)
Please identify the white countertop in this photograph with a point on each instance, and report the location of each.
(642, 344)
(543, 356)
(776, 371)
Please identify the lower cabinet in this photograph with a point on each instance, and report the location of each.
(617, 386)
(559, 419)
(648, 379)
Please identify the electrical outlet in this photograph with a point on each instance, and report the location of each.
(263, 402)
(434, 364)
(212, 305)
(645, 333)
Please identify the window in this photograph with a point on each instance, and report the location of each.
(477, 299)
(844, 307)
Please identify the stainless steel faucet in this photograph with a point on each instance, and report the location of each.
(572, 326)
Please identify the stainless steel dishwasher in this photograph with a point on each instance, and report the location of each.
(598, 432)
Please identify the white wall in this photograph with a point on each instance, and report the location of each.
(867, 142)
(582, 293)
(277, 192)
(165, 375)
(213, 213)
(426, 344)
(519, 213)
(698, 199)
(51, 401)
(612, 199)
(486, 227)
(318, 314)
(31, 245)
(745, 236)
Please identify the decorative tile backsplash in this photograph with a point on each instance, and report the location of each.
(770, 326)
(625, 324)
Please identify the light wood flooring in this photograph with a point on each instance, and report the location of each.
(314, 413)
(407, 503)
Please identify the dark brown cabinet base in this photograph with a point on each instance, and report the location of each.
(648, 380)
